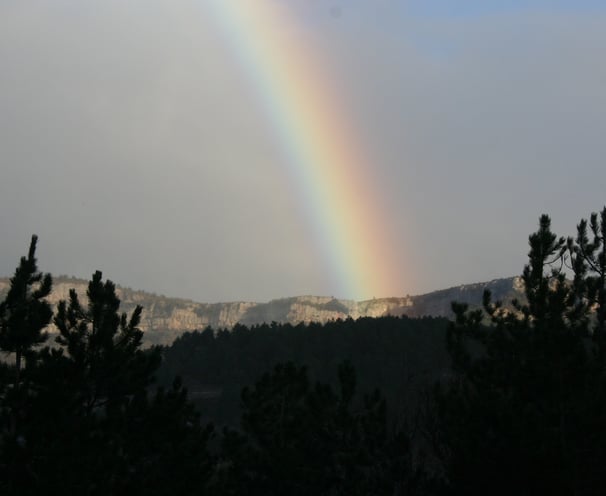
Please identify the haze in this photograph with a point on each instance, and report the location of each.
(132, 140)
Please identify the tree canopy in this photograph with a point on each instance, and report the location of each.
(81, 417)
(523, 410)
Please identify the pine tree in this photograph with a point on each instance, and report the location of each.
(299, 438)
(117, 435)
(24, 313)
(523, 411)
(23, 316)
(588, 262)
(103, 348)
(88, 421)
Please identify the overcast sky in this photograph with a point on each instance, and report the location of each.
(132, 141)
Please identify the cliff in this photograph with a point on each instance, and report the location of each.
(166, 318)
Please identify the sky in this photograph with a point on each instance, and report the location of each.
(158, 142)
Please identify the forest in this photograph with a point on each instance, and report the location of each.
(398, 355)
(506, 399)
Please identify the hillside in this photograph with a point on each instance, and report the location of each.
(166, 318)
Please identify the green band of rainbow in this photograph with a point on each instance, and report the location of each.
(322, 151)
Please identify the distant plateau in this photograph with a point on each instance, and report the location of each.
(165, 318)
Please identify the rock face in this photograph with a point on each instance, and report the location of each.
(164, 319)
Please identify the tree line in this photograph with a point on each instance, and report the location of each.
(399, 355)
(506, 399)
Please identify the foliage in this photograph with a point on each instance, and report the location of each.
(298, 438)
(86, 420)
(103, 356)
(23, 316)
(399, 355)
(24, 313)
(523, 411)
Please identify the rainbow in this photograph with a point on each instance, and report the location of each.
(323, 155)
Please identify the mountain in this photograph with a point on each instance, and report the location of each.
(165, 318)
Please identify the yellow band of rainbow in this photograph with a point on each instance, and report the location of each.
(323, 153)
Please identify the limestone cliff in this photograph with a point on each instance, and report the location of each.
(165, 318)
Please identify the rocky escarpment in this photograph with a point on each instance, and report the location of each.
(165, 318)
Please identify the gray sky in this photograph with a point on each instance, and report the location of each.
(132, 140)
